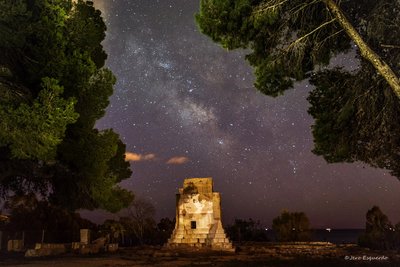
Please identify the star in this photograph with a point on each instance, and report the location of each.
(178, 94)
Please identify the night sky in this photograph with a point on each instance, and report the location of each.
(185, 107)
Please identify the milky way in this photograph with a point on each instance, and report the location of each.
(185, 107)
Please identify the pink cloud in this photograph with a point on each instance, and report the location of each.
(130, 156)
(178, 160)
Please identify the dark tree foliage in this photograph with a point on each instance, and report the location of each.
(166, 225)
(113, 230)
(124, 231)
(282, 51)
(379, 232)
(355, 120)
(53, 88)
(246, 230)
(163, 231)
(292, 226)
(356, 113)
(33, 216)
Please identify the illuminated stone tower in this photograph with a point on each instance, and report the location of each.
(198, 217)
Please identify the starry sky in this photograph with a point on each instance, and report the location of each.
(185, 107)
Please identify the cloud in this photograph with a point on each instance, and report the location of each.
(130, 156)
(178, 160)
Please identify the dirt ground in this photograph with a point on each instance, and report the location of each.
(248, 256)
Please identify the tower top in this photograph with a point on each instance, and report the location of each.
(199, 185)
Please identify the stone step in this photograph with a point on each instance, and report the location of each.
(193, 240)
(218, 236)
(196, 236)
(219, 240)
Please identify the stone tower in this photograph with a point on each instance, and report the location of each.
(198, 217)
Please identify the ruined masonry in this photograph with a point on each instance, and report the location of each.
(198, 217)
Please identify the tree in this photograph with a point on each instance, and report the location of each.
(397, 235)
(299, 32)
(164, 230)
(246, 230)
(58, 224)
(379, 232)
(294, 40)
(292, 226)
(354, 121)
(115, 230)
(53, 88)
(140, 219)
(48, 113)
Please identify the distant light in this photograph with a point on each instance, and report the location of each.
(328, 229)
(266, 229)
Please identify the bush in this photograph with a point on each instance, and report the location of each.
(292, 226)
(379, 232)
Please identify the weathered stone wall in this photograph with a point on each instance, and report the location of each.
(198, 217)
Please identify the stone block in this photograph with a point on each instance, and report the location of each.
(76, 245)
(32, 253)
(15, 245)
(85, 236)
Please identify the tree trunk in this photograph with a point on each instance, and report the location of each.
(366, 52)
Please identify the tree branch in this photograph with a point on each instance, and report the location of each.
(302, 6)
(311, 32)
(390, 46)
(366, 52)
(266, 6)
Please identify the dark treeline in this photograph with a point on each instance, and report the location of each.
(379, 232)
(38, 221)
(136, 225)
(288, 226)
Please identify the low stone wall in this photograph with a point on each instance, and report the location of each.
(47, 249)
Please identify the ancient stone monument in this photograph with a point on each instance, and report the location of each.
(198, 217)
